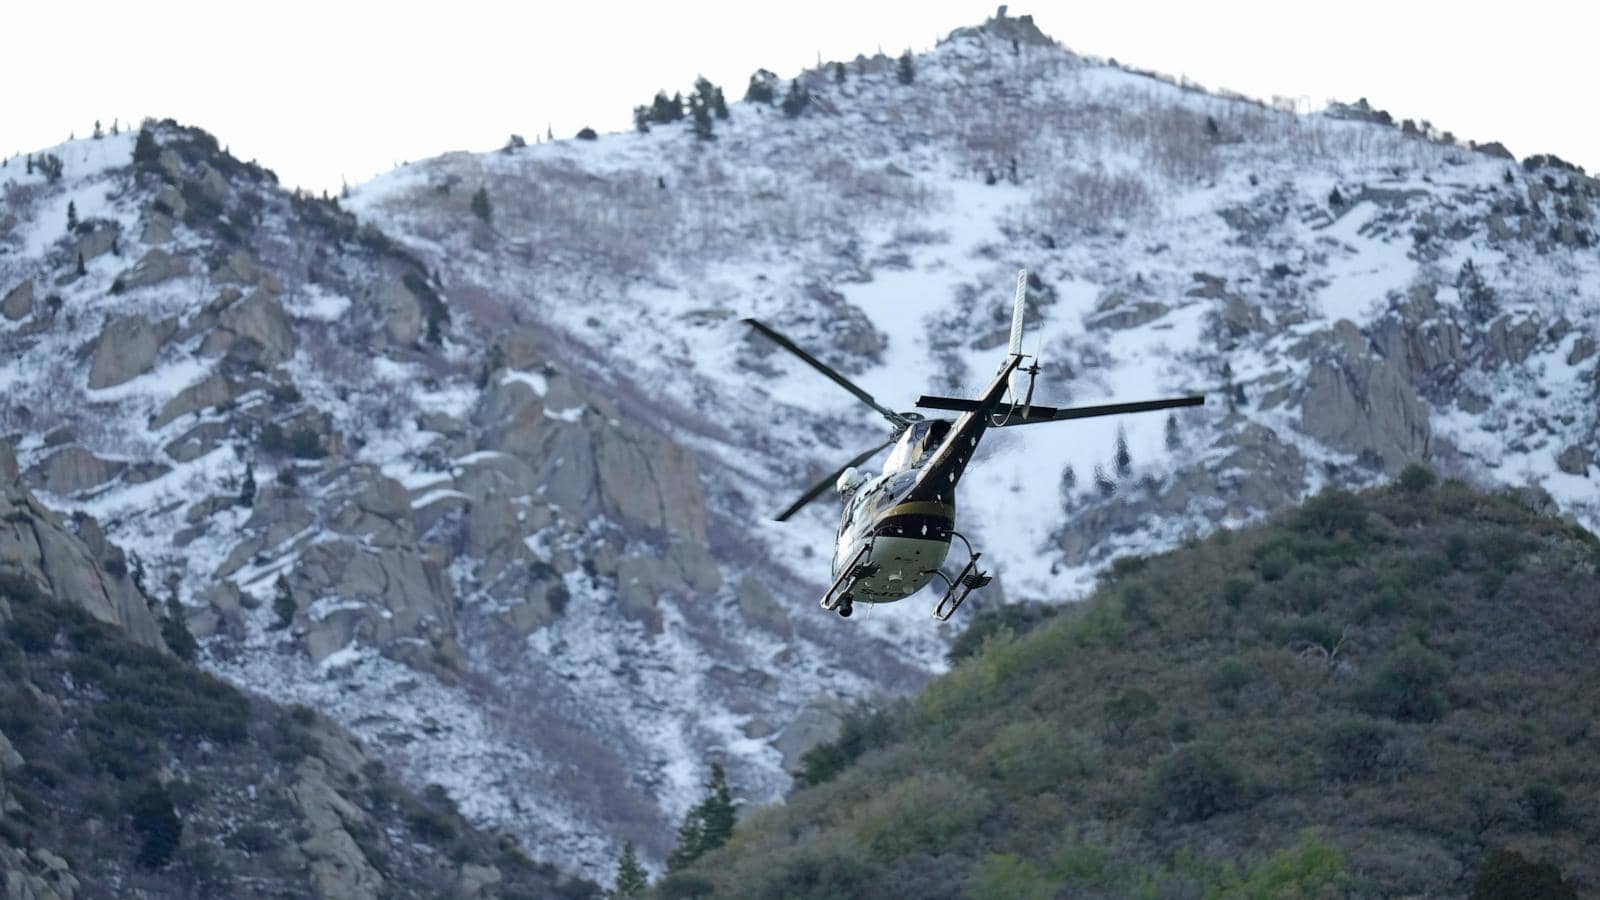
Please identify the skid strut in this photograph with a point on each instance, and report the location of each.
(957, 589)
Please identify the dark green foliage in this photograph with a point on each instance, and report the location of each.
(707, 826)
(302, 442)
(1354, 749)
(1508, 875)
(1122, 458)
(1416, 478)
(664, 109)
(906, 68)
(1545, 806)
(587, 134)
(81, 270)
(1127, 708)
(641, 119)
(796, 101)
(684, 886)
(480, 205)
(283, 603)
(175, 631)
(72, 217)
(760, 88)
(32, 626)
(1235, 590)
(702, 120)
(1335, 199)
(436, 314)
(1409, 685)
(864, 728)
(157, 824)
(1194, 783)
(838, 73)
(1477, 298)
(631, 877)
(145, 152)
(247, 488)
(1013, 619)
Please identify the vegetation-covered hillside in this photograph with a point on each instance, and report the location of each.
(125, 772)
(1391, 693)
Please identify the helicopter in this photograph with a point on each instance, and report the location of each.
(896, 528)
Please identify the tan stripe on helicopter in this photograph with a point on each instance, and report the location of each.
(923, 508)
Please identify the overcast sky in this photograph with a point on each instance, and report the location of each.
(335, 91)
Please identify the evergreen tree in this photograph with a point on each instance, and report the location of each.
(97, 132)
(760, 89)
(145, 152)
(1069, 483)
(81, 270)
(641, 119)
(175, 627)
(30, 163)
(796, 101)
(1103, 482)
(72, 216)
(906, 71)
(247, 490)
(677, 106)
(1124, 459)
(701, 120)
(1476, 297)
(663, 110)
(838, 73)
(687, 849)
(631, 877)
(155, 821)
(716, 813)
(480, 205)
(1335, 199)
(1174, 439)
(719, 104)
(283, 603)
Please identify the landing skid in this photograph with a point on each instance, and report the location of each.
(957, 589)
(838, 598)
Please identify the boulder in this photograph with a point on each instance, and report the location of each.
(383, 595)
(18, 302)
(215, 390)
(1509, 342)
(1419, 335)
(260, 328)
(127, 348)
(1582, 349)
(8, 464)
(1118, 311)
(197, 441)
(1361, 403)
(102, 240)
(169, 201)
(71, 470)
(819, 721)
(238, 268)
(157, 229)
(400, 310)
(475, 881)
(338, 867)
(1575, 460)
(759, 608)
(154, 267)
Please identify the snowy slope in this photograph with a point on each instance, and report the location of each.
(566, 661)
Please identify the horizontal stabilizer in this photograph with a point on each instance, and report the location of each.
(1053, 414)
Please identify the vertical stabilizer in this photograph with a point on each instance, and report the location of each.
(1020, 301)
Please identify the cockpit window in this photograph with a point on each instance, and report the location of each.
(919, 440)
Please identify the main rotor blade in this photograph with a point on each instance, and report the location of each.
(816, 489)
(898, 420)
(1038, 414)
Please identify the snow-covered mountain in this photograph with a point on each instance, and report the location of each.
(514, 455)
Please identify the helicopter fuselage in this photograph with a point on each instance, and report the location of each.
(897, 526)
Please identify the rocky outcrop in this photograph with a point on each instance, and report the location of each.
(1117, 311)
(127, 348)
(338, 866)
(41, 555)
(255, 329)
(1359, 402)
(73, 469)
(819, 721)
(18, 302)
(101, 239)
(400, 310)
(154, 267)
(215, 390)
(1511, 342)
(1422, 338)
(1575, 460)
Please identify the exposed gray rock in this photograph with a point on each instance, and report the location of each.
(383, 595)
(760, 609)
(99, 241)
(157, 229)
(338, 867)
(18, 302)
(73, 469)
(260, 329)
(8, 464)
(212, 185)
(477, 881)
(1420, 336)
(1511, 343)
(169, 201)
(154, 267)
(38, 553)
(238, 268)
(1117, 311)
(1575, 460)
(197, 441)
(215, 390)
(400, 310)
(1582, 349)
(819, 721)
(127, 348)
(1359, 402)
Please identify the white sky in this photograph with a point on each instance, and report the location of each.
(340, 90)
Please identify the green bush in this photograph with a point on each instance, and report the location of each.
(1354, 749)
(1195, 783)
(1128, 707)
(1416, 478)
(1030, 757)
(1235, 590)
(1508, 875)
(864, 728)
(1545, 806)
(1231, 675)
(921, 813)
(157, 823)
(1409, 685)
(1017, 618)
(1334, 511)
